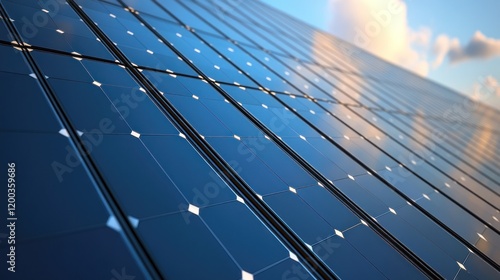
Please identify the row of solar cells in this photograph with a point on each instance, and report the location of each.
(147, 164)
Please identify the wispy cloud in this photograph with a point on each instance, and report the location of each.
(478, 47)
(381, 27)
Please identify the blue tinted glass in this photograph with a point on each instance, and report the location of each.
(13, 60)
(26, 109)
(136, 179)
(221, 133)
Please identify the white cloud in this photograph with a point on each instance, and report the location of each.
(421, 37)
(381, 27)
(478, 47)
(441, 48)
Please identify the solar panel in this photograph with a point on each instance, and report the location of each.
(227, 140)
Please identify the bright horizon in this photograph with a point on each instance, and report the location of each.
(455, 44)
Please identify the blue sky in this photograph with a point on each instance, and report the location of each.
(465, 34)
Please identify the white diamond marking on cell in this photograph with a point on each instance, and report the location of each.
(302, 137)
(237, 137)
(392, 211)
(264, 105)
(135, 134)
(77, 56)
(339, 233)
(193, 209)
(182, 135)
(292, 189)
(426, 196)
(246, 276)
(350, 177)
(64, 132)
(96, 83)
(482, 237)
(197, 50)
(112, 223)
(240, 199)
(195, 97)
(133, 221)
(461, 266)
(388, 168)
(130, 32)
(293, 257)
(32, 75)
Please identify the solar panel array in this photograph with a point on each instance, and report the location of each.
(223, 139)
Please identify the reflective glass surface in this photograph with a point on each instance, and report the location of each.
(227, 140)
